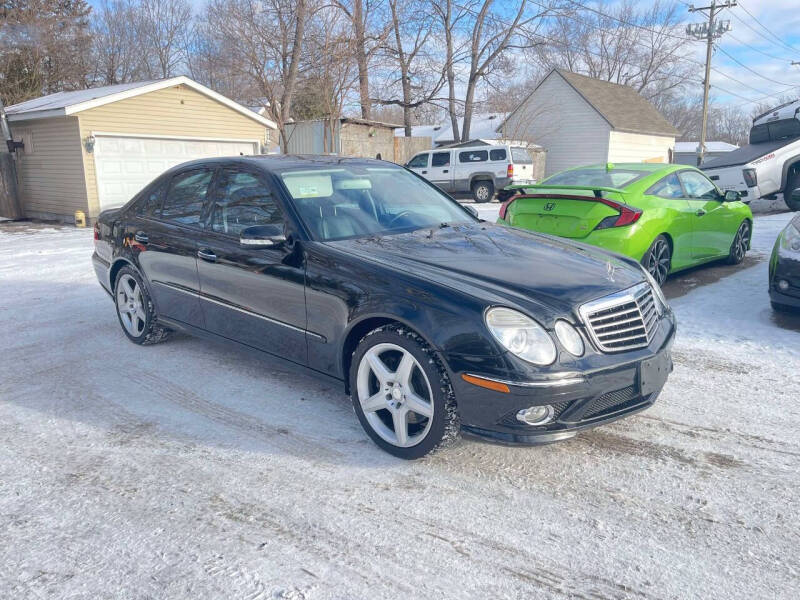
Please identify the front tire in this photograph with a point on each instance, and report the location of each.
(482, 191)
(658, 259)
(401, 393)
(135, 309)
(740, 244)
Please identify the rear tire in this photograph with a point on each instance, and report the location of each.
(135, 309)
(401, 393)
(792, 184)
(658, 259)
(740, 244)
(482, 191)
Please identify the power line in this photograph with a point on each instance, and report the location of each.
(792, 48)
(767, 54)
(741, 64)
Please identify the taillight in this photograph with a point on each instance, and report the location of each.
(510, 170)
(504, 207)
(628, 215)
(750, 177)
(96, 231)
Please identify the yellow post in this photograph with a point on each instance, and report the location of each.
(80, 218)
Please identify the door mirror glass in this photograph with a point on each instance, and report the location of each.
(731, 196)
(264, 236)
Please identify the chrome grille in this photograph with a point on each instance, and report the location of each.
(622, 321)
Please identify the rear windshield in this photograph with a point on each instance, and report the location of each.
(521, 156)
(596, 177)
(776, 130)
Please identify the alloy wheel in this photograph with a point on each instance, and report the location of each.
(482, 192)
(395, 395)
(658, 260)
(741, 241)
(130, 305)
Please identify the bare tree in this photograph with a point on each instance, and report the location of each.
(263, 41)
(163, 30)
(412, 65)
(118, 57)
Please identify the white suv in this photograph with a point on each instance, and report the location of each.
(480, 170)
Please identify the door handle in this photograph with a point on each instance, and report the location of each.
(207, 255)
(424, 172)
(446, 171)
(700, 212)
(141, 237)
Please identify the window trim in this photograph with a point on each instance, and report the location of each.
(686, 195)
(649, 192)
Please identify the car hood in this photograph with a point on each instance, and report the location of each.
(502, 264)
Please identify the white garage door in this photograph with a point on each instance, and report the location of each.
(125, 165)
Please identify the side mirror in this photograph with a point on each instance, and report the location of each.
(731, 196)
(264, 236)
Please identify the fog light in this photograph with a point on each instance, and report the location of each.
(783, 285)
(536, 415)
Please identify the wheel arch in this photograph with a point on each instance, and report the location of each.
(791, 164)
(113, 270)
(361, 327)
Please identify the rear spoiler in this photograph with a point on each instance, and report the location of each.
(627, 214)
(596, 190)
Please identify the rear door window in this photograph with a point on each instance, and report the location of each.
(150, 203)
(470, 156)
(498, 154)
(521, 156)
(186, 196)
(440, 159)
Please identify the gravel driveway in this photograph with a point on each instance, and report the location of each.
(189, 470)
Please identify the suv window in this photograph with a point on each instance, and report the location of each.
(499, 154)
(186, 195)
(698, 185)
(668, 187)
(473, 156)
(150, 202)
(440, 159)
(419, 161)
(242, 200)
(521, 156)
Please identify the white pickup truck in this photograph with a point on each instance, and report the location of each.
(769, 164)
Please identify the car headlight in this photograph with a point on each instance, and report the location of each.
(791, 238)
(521, 335)
(569, 338)
(661, 301)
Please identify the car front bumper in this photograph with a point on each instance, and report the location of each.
(601, 389)
(785, 266)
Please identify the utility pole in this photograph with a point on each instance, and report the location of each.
(708, 32)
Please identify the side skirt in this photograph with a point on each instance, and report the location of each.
(278, 361)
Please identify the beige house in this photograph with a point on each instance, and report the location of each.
(580, 121)
(94, 149)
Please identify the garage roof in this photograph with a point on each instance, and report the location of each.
(68, 103)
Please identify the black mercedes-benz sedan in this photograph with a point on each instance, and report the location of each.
(784, 268)
(434, 321)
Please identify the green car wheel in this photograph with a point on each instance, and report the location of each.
(667, 217)
(658, 259)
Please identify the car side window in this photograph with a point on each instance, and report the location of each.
(469, 156)
(698, 186)
(242, 200)
(499, 154)
(150, 202)
(668, 187)
(186, 196)
(440, 159)
(419, 161)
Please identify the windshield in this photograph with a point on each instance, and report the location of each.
(595, 177)
(353, 201)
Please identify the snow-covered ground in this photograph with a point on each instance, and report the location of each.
(186, 470)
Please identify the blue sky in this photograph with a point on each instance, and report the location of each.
(765, 56)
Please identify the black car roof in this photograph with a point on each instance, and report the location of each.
(270, 162)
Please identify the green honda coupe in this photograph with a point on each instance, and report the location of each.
(668, 217)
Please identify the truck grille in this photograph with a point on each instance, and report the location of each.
(622, 321)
